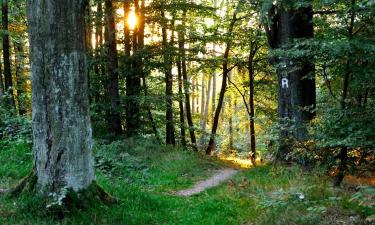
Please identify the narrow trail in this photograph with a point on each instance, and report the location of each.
(214, 181)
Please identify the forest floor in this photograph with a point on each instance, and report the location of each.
(145, 178)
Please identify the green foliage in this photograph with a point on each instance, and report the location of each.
(147, 197)
(365, 201)
(14, 127)
(114, 161)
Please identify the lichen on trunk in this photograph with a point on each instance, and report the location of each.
(61, 121)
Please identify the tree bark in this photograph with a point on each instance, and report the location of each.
(112, 69)
(20, 77)
(253, 51)
(297, 94)
(134, 68)
(6, 56)
(181, 103)
(61, 119)
(170, 137)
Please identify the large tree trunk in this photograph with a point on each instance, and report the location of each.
(296, 76)
(112, 69)
(6, 56)
(61, 120)
(211, 143)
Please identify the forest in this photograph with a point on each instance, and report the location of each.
(187, 112)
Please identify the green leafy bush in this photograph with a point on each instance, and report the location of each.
(13, 127)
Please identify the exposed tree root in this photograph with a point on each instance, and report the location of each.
(104, 196)
(94, 191)
(27, 183)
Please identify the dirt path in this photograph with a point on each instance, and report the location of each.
(214, 181)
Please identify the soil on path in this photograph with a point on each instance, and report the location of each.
(219, 177)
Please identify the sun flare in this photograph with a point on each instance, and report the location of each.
(132, 20)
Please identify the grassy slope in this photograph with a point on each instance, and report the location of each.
(145, 176)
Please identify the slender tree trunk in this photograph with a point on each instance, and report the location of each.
(99, 25)
(252, 105)
(192, 94)
(20, 78)
(112, 68)
(141, 21)
(134, 69)
(196, 95)
(1, 83)
(230, 123)
(6, 56)
(344, 150)
(95, 87)
(149, 113)
(203, 85)
(214, 77)
(181, 44)
(211, 143)
(181, 103)
(213, 93)
(61, 119)
(89, 47)
(205, 115)
(170, 137)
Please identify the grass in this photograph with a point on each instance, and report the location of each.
(145, 176)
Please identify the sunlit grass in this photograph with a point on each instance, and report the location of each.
(145, 176)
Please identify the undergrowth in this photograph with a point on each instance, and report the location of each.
(144, 176)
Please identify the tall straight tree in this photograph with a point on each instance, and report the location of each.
(170, 136)
(6, 56)
(112, 69)
(21, 86)
(181, 102)
(1, 84)
(226, 70)
(133, 66)
(61, 120)
(188, 107)
(289, 22)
